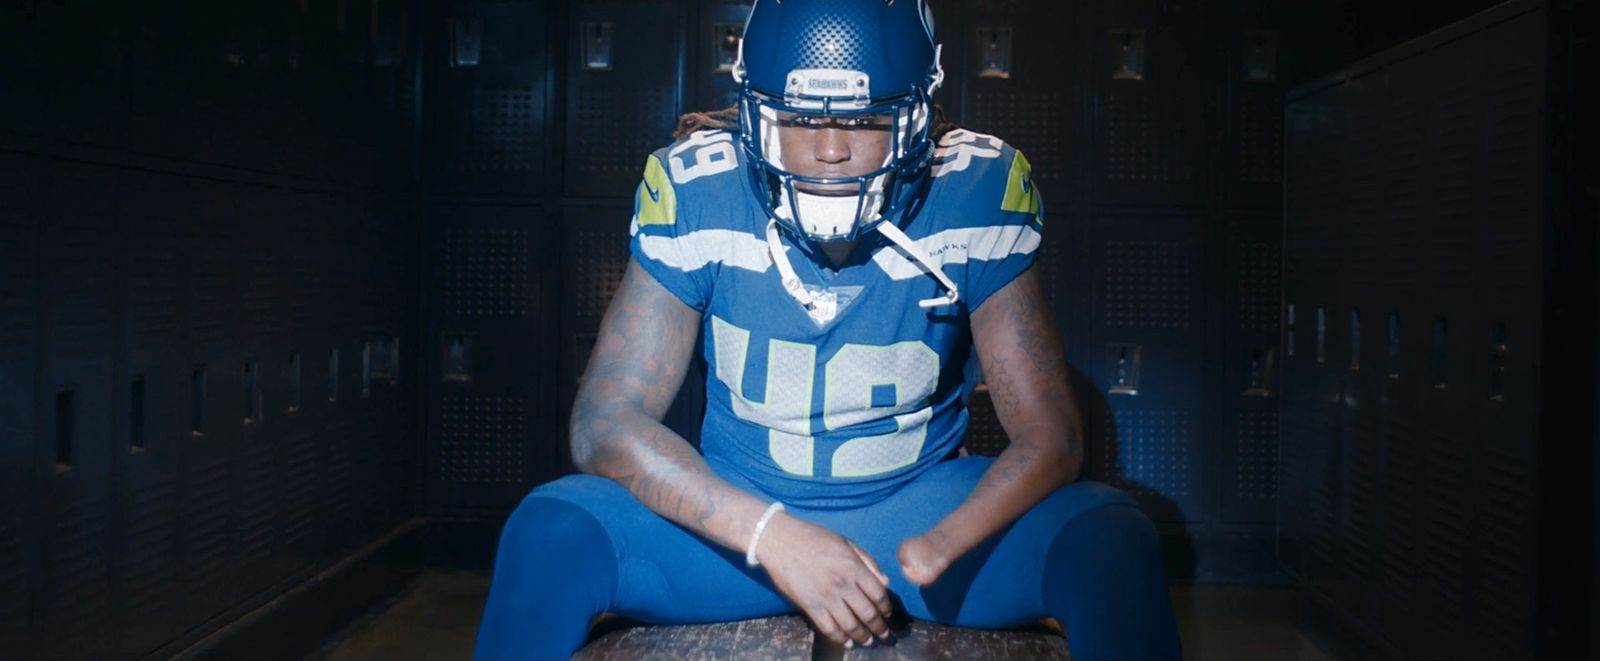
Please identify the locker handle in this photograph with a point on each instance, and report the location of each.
(294, 383)
(66, 431)
(1441, 354)
(197, 402)
(1259, 372)
(1124, 365)
(457, 350)
(1497, 362)
(136, 415)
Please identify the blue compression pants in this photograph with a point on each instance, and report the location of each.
(582, 545)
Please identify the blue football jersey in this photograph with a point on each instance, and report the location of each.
(833, 412)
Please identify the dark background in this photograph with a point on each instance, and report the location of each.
(278, 277)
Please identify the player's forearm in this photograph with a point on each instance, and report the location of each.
(1020, 477)
(1025, 366)
(641, 354)
(665, 473)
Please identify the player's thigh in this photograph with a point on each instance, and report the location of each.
(1005, 579)
(666, 574)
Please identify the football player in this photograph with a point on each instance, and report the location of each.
(836, 254)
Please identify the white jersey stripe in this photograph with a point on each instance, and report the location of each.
(959, 246)
(693, 251)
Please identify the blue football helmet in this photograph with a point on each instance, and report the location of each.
(838, 58)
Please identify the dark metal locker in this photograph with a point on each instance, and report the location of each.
(1416, 201)
(492, 422)
(719, 25)
(19, 328)
(77, 319)
(148, 439)
(488, 108)
(620, 109)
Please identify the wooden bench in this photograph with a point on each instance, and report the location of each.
(789, 638)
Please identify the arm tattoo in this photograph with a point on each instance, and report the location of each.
(644, 344)
(1025, 367)
(640, 357)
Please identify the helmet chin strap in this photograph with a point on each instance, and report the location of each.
(786, 275)
(922, 259)
(825, 309)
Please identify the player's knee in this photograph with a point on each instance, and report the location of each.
(1127, 524)
(554, 531)
(1071, 501)
(1117, 531)
(1089, 494)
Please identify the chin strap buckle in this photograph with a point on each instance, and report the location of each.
(949, 298)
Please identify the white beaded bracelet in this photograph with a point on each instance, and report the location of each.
(761, 524)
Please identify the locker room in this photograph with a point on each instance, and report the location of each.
(295, 296)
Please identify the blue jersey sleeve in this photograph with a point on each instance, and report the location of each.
(1001, 250)
(662, 242)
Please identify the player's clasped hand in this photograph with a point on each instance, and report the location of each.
(830, 579)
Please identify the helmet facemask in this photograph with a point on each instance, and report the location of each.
(847, 206)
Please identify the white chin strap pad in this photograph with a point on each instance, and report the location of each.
(823, 215)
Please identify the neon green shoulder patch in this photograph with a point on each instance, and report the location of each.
(1020, 194)
(655, 201)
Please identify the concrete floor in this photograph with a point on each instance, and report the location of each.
(437, 616)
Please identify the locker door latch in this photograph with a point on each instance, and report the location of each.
(1123, 361)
